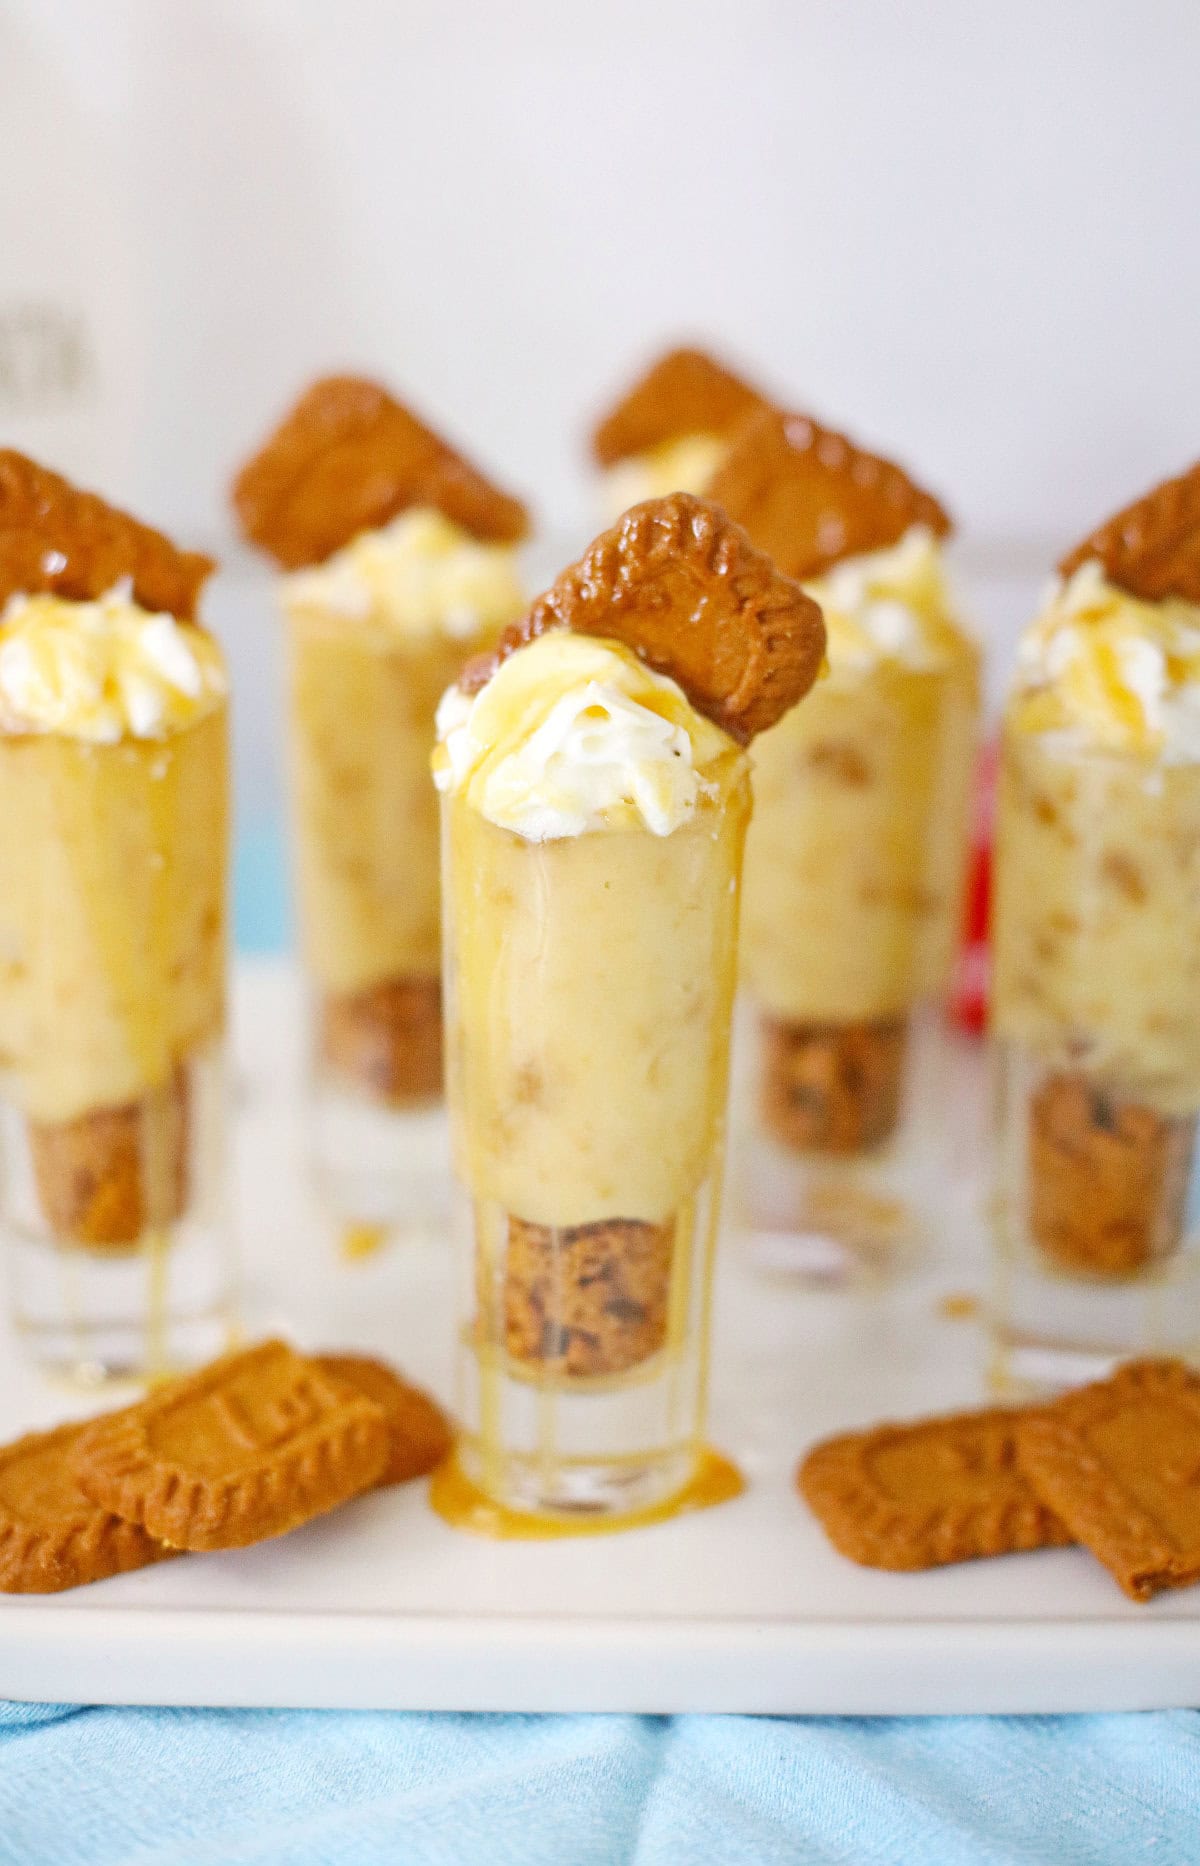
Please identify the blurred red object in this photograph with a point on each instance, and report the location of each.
(969, 998)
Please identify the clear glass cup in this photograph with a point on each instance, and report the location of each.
(113, 962)
(855, 867)
(365, 825)
(590, 984)
(1096, 1020)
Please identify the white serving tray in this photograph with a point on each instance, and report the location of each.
(740, 1608)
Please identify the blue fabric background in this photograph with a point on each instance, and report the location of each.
(191, 1788)
(106, 1787)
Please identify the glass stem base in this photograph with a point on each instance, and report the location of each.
(159, 1308)
(1052, 1331)
(378, 1165)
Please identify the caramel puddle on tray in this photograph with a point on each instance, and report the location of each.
(463, 1505)
(360, 1241)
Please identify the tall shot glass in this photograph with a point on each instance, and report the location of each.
(365, 834)
(854, 884)
(590, 983)
(1096, 1019)
(112, 1015)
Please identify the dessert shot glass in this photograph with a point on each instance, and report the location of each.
(112, 1018)
(855, 860)
(365, 841)
(590, 984)
(855, 866)
(1096, 1023)
(402, 562)
(595, 793)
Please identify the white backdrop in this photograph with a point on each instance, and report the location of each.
(965, 232)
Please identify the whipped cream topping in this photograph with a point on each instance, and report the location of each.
(1101, 667)
(685, 464)
(894, 604)
(419, 575)
(573, 735)
(103, 670)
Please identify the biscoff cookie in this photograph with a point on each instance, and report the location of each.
(809, 497)
(1152, 547)
(683, 587)
(684, 392)
(348, 458)
(51, 1536)
(922, 1495)
(91, 1171)
(248, 1448)
(832, 1088)
(419, 1430)
(1119, 1463)
(1108, 1177)
(386, 1038)
(587, 1299)
(57, 539)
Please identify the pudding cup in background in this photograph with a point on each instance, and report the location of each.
(402, 565)
(1096, 1024)
(855, 861)
(1096, 959)
(361, 706)
(113, 914)
(852, 904)
(670, 431)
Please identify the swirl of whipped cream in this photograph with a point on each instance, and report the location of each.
(103, 670)
(419, 575)
(574, 734)
(1102, 667)
(893, 604)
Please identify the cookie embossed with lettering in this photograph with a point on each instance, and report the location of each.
(1119, 1463)
(1152, 547)
(349, 458)
(810, 497)
(56, 539)
(250, 1447)
(682, 586)
(922, 1495)
(52, 1537)
(684, 392)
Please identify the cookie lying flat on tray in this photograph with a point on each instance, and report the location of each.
(248, 1448)
(419, 1432)
(922, 1495)
(51, 1536)
(1119, 1462)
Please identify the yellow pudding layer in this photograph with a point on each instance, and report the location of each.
(112, 911)
(891, 605)
(590, 983)
(1096, 923)
(855, 857)
(421, 575)
(1097, 913)
(375, 638)
(104, 670)
(685, 464)
(363, 807)
(1103, 669)
(592, 838)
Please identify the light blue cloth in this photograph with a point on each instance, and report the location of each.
(97, 1787)
(311, 1788)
